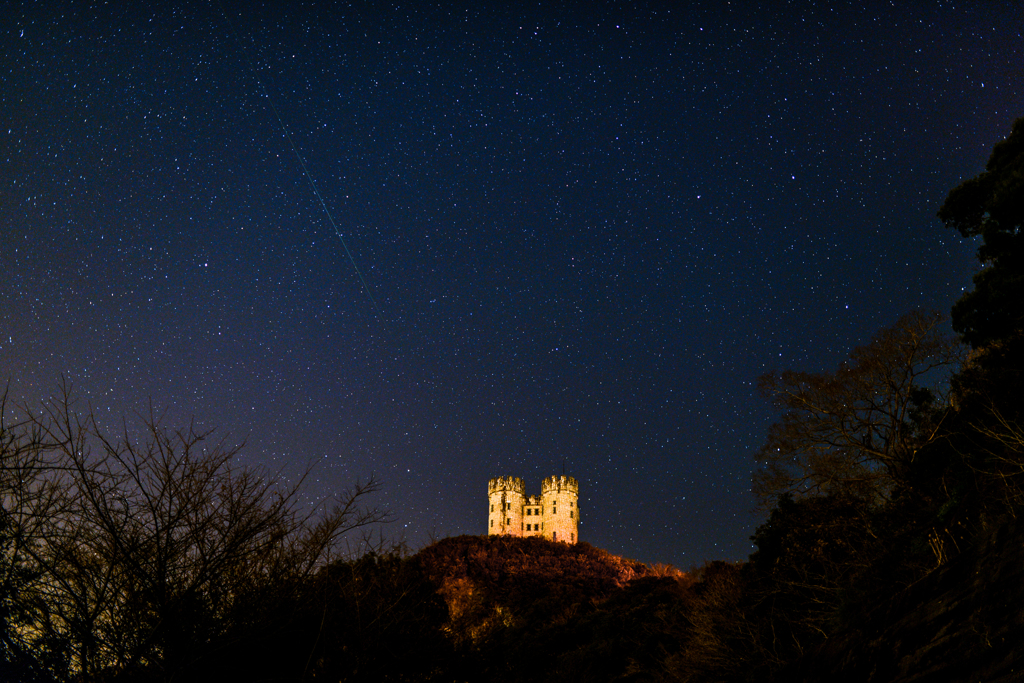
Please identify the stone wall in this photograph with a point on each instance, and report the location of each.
(553, 515)
(560, 496)
(505, 498)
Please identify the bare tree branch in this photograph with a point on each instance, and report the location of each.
(855, 430)
(141, 549)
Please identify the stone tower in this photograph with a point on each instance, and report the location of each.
(560, 500)
(554, 514)
(506, 498)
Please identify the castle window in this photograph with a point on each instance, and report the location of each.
(554, 535)
(570, 514)
(572, 537)
(492, 522)
(529, 511)
(492, 507)
(554, 510)
(508, 522)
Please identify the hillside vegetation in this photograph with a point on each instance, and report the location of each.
(893, 488)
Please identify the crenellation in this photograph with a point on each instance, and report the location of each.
(506, 484)
(554, 514)
(560, 483)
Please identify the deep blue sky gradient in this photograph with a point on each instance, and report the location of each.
(585, 232)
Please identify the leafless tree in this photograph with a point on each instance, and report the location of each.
(31, 498)
(855, 430)
(994, 450)
(145, 549)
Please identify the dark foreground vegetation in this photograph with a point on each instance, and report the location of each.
(893, 548)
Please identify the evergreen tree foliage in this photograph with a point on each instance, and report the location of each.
(991, 205)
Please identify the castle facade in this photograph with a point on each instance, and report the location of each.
(554, 514)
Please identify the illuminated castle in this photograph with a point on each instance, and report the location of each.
(554, 514)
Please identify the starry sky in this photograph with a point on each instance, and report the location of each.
(578, 232)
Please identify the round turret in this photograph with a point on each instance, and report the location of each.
(554, 514)
(506, 496)
(560, 498)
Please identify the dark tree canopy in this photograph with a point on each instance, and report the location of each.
(853, 432)
(992, 205)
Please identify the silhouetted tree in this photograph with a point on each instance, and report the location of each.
(143, 552)
(991, 319)
(808, 554)
(29, 500)
(855, 431)
(991, 205)
(721, 641)
(376, 618)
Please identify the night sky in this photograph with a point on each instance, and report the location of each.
(584, 233)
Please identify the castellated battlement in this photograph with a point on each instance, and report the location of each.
(559, 484)
(554, 514)
(508, 484)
